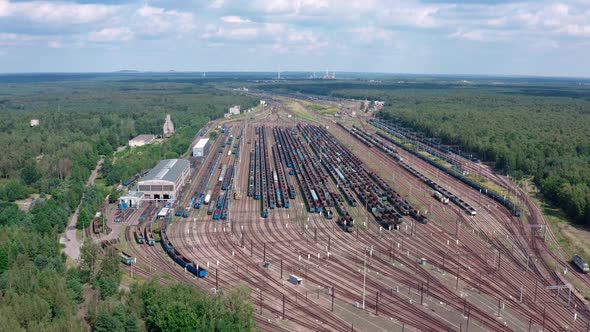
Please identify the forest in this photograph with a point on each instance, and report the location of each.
(83, 119)
(536, 128)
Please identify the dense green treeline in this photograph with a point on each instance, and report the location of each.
(38, 293)
(540, 130)
(79, 121)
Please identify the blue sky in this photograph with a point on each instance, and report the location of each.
(545, 38)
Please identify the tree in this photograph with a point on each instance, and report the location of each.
(29, 173)
(89, 257)
(13, 190)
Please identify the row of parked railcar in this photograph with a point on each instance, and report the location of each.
(513, 208)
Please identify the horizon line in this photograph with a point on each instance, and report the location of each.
(132, 71)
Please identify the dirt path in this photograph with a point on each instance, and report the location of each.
(72, 244)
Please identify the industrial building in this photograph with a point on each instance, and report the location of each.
(141, 140)
(201, 148)
(234, 110)
(131, 199)
(165, 180)
(168, 126)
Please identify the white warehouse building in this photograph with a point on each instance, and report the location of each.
(141, 140)
(165, 180)
(200, 149)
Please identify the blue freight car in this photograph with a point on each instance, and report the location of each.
(197, 270)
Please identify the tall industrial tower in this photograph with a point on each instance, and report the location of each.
(168, 126)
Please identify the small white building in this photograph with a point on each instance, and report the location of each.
(131, 199)
(201, 148)
(141, 140)
(234, 110)
(262, 102)
(34, 122)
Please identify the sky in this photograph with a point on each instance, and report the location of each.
(540, 38)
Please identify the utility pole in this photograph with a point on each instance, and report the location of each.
(332, 298)
(377, 304)
(543, 319)
(421, 293)
(364, 278)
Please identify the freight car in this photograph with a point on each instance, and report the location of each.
(95, 226)
(131, 180)
(149, 236)
(207, 198)
(199, 201)
(127, 259)
(211, 208)
(138, 235)
(345, 225)
(440, 197)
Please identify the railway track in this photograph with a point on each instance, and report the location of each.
(486, 254)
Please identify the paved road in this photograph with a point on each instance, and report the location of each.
(72, 248)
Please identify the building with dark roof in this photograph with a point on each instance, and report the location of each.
(165, 180)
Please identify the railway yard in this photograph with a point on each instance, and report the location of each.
(354, 224)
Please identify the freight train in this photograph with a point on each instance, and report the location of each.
(515, 210)
(184, 262)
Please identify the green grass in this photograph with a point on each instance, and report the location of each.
(566, 232)
(321, 109)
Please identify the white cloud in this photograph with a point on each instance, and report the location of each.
(57, 12)
(482, 35)
(107, 35)
(216, 4)
(414, 16)
(475, 35)
(292, 6)
(234, 19)
(12, 39)
(155, 21)
(230, 33)
(371, 34)
(576, 30)
(55, 44)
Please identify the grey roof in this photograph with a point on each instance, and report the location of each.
(167, 170)
(133, 194)
(144, 137)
